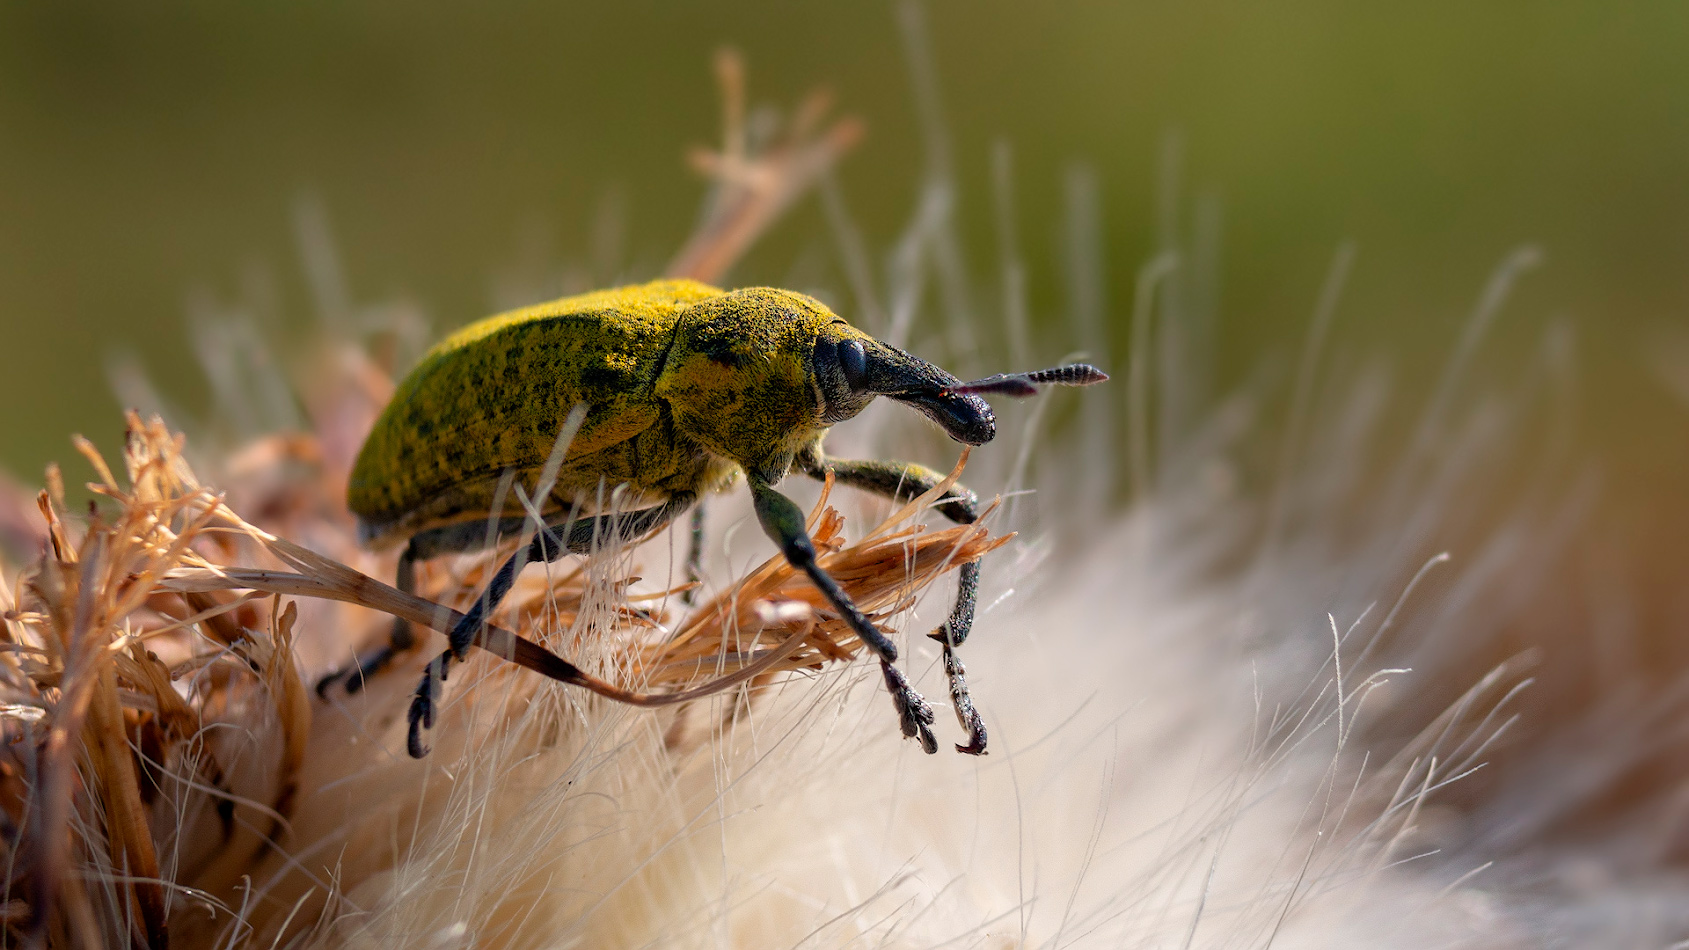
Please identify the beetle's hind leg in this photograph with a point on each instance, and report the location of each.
(400, 639)
(549, 544)
(902, 481)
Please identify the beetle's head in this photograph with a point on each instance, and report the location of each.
(851, 368)
(754, 375)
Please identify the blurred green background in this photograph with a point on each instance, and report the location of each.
(149, 150)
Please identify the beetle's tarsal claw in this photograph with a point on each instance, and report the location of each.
(421, 714)
(961, 702)
(913, 712)
(413, 740)
(327, 681)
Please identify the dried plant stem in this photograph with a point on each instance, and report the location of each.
(752, 189)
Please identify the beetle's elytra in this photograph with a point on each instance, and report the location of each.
(684, 387)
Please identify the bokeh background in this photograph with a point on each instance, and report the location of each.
(154, 156)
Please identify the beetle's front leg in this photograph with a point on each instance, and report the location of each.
(950, 634)
(782, 519)
(902, 481)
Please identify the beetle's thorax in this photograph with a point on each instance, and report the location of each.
(738, 379)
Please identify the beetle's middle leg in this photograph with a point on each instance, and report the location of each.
(694, 557)
(548, 545)
(783, 520)
(902, 481)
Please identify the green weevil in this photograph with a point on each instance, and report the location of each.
(685, 388)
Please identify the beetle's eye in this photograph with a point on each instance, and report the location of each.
(854, 362)
(841, 378)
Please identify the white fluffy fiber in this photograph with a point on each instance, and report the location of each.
(1175, 761)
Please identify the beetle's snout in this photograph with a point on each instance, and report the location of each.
(964, 417)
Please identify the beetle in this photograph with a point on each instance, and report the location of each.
(685, 389)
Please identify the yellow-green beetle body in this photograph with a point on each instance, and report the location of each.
(683, 384)
(685, 387)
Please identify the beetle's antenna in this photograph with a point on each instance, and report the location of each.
(1021, 385)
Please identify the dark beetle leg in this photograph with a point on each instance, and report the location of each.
(547, 545)
(450, 539)
(899, 481)
(371, 662)
(914, 714)
(902, 481)
(694, 557)
(951, 634)
(782, 519)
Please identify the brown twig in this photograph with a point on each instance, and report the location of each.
(752, 188)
